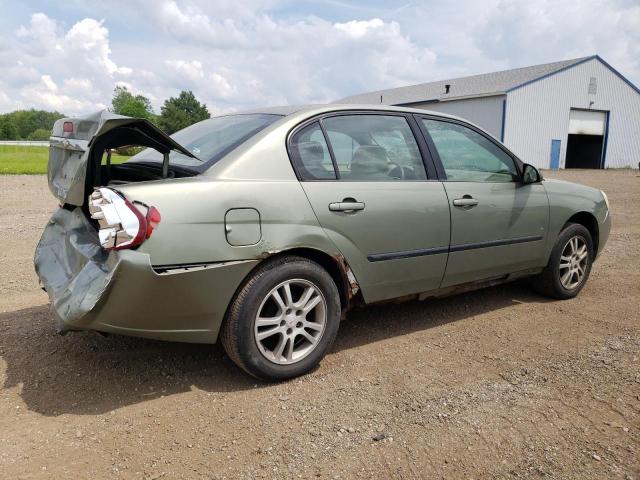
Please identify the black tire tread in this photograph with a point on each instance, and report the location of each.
(545, 283)
(230, 326)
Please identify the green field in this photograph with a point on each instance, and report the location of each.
(15, 159)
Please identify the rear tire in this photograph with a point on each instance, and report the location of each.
(569, 265)
(283, 320)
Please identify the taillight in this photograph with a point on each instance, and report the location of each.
(153, 219)
(122, 224)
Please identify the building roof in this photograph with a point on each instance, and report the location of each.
(486, 84)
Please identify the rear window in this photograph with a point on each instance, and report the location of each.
(210, 140)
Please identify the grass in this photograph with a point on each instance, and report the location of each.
(16, 159)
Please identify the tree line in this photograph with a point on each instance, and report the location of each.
(176, 113)
(27, 124)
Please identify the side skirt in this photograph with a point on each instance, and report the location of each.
(462, 288)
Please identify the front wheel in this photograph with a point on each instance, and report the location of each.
(569, 264)
(283, 320)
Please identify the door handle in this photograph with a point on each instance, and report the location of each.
(346, 206)
(465, 201)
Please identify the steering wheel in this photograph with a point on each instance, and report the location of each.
(401, 173)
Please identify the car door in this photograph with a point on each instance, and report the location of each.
(498, 224)
(365, 178)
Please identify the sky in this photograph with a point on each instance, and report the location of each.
(69, 55)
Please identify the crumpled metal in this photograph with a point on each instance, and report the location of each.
(74, 270)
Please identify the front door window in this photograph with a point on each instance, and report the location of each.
(468, 156)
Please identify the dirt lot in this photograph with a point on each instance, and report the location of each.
(496, 383)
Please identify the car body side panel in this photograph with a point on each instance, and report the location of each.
(193, 210)
(178, 284)
(506, 212)
(119, 291)
(185, 305)
(567, 199)
(405, 223)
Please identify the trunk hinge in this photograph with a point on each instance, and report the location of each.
(165, 165)
(109, 165)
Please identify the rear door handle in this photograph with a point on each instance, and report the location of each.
(346, 206)
(466, 201)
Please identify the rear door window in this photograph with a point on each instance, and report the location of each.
(310, 154)
(374, 148)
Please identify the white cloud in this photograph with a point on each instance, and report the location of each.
(39, 39)
(44, 57)
(77, 85)
(222, 86)
(473, 37)
(257, 58)
(88, 40)
(190, 23)
(570, 28)
(359, 28)
(48, 83)
(47, 95)
(245, 53)
(191, 70)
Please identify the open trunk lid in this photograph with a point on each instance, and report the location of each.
(77, 144)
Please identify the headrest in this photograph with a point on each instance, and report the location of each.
(311, 152)
(312, 155)
(369, 159)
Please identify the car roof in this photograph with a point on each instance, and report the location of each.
(290, 110)
(284, 110)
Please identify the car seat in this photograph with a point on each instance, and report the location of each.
(370, 162)
(312, 157)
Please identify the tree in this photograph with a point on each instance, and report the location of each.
(126, 103)
(21, 124)
(8, 130)
(181, 111)
(39, 134)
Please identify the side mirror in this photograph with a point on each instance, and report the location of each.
(530, 174)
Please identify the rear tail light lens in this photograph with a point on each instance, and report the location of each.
(122, 224)
(153, 219)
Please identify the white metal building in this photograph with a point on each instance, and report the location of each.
(578, 113)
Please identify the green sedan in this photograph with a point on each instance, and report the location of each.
(263, 229)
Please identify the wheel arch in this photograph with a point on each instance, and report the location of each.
(335, 265)
(588, 221)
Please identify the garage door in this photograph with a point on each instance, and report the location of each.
(585, 141)
(586, 122)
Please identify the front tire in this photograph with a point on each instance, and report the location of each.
(283, 320)
(569, 264)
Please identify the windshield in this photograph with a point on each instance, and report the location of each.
(210, 140)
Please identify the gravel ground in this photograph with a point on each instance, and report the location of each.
(495, 383)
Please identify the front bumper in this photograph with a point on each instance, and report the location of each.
(120, 292)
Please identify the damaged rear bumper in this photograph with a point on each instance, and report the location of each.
(120, 292)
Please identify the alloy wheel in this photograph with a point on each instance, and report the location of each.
(573, 262)
(290, 321)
